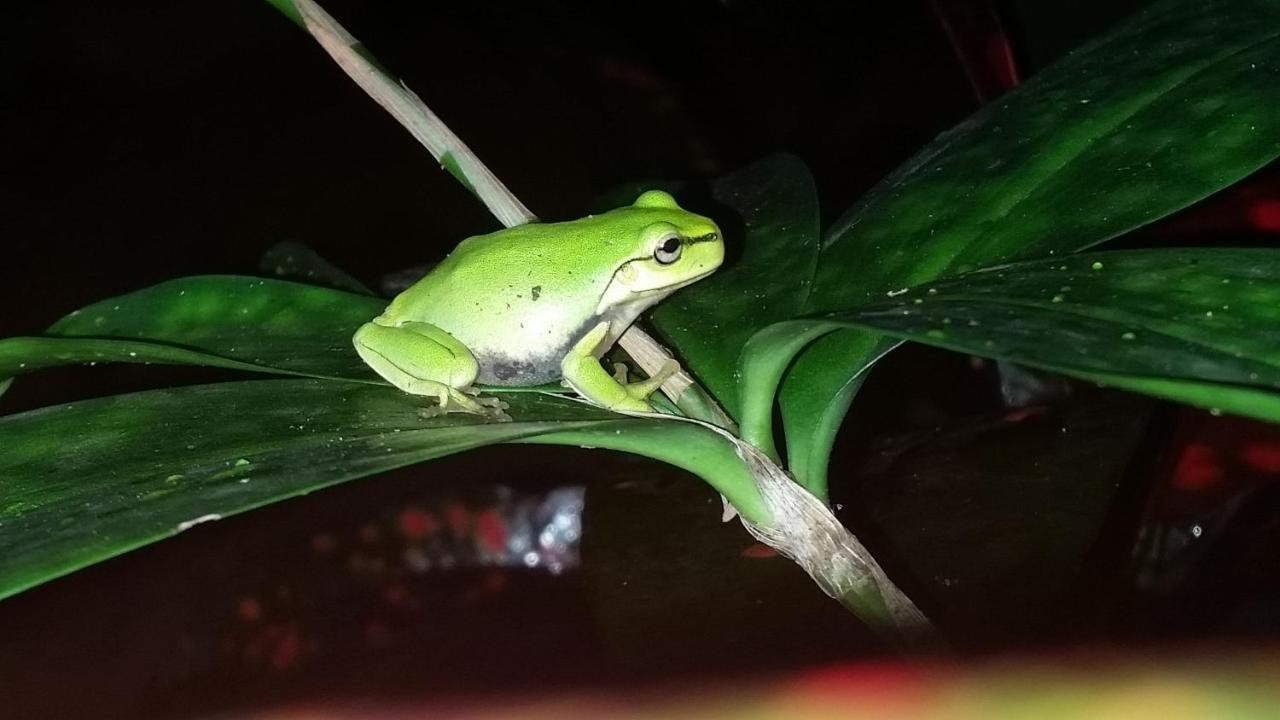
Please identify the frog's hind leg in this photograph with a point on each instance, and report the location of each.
(422, 359)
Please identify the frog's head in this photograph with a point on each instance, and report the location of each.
(672, 247)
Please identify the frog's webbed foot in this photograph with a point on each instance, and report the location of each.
(470, 401)
(466, 401)
(493, 408)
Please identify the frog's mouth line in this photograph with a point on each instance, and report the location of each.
(687, 282)
(655, 295)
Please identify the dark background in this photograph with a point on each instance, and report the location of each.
(148, 140)
(145, 141)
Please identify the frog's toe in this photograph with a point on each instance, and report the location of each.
(489, 407)
(498, 414)
(620, 373)
(645, 388)
(431, 411)
(494, 408)
(449, 400)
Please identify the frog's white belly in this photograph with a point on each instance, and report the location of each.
(517, 332)
(530, 356)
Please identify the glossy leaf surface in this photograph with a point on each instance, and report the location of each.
(1198, 326)
(241, 323)
(84, 482)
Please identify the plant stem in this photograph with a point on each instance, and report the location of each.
(804, 529)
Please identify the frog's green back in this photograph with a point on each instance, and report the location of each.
(567, 264)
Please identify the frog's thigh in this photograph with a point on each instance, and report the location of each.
(584, 373)
(416, 357)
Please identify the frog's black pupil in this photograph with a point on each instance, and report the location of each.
(670, 245)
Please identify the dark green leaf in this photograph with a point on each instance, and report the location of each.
(1173, 105)
(239, 323)
(84, 482)
(766, 275)
(1198, 326)
(26, 354)
(1167, 109)
(242, 323)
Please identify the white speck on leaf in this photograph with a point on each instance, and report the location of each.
(188, 524)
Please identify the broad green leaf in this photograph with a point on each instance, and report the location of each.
(20, 355)
(1197, 326)
(242, 323)
(83, 482)
(1171, 106)
(766, 277)
(1202, 314)
(234, 322)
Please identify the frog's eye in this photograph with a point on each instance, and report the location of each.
(668, 251)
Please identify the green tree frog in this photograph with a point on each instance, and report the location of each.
(541, 302)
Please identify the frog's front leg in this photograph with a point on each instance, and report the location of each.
(583, 372)
(645, 388)
(421, 359)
